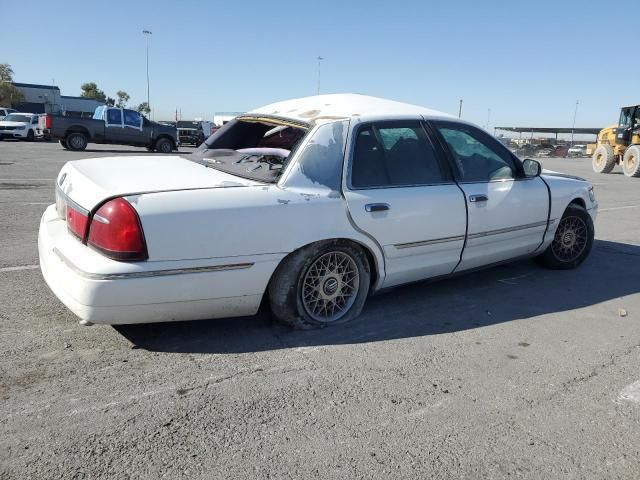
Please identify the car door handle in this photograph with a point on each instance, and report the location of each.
(478, 198)
(376, 207)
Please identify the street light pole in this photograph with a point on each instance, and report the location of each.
(319, 60)
(575, 113)
(460, 109)
(147, 33)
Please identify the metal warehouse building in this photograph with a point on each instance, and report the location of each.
(47, 99)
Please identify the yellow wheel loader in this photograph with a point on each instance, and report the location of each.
(619, 144)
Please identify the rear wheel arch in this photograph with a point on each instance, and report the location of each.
(167, 137)
(281, 292)
(77, 129)
(374, 267)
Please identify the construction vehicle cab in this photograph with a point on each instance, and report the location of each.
(620, 144)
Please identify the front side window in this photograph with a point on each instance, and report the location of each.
(625, 118)
(477, 156)
(394, 154)
(114, 117)
(132, 119)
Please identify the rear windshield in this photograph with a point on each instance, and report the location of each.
(14, 117)
(258, 150)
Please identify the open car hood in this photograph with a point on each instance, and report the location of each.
(90, 182)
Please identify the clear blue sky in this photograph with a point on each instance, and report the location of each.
(527, 61)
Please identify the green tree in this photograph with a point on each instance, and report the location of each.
(144, 108)
(9, 94)
(110, 102)
(6, 72)
(91, 90)
(123, 98)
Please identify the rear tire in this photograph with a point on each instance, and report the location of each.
(603, 159)
(76, 141)
(631, 161)
(322, 284)
(63, 143)
(164, 145)
(572, 241)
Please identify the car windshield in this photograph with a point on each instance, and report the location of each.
(257, 149)
(15, 117)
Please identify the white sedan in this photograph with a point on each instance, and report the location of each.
(315, 203)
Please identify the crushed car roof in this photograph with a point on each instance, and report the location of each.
(343, 105)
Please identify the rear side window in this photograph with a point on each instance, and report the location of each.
(319, 165)
(132, 119)
(397, 154)
(114, 117)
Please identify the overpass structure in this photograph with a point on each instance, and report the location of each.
(554, 130)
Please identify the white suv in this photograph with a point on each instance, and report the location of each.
(23, 126)
(4, 111)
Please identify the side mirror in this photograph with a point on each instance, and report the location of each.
(532, 168)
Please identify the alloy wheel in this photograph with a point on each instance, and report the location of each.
(570, 239)
(330, 287)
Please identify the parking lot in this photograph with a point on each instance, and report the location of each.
(512, 372)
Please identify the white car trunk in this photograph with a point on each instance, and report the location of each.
(89, 182)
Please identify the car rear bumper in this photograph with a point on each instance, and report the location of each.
(100, 290)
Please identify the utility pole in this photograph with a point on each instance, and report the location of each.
(319, 60)
(460, 109)
(147, 33)
(575, 114)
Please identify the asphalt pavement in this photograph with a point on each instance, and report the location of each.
(512, 372)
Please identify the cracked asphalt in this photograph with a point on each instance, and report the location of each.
(512, 372)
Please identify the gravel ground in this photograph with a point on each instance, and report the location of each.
(513, 372)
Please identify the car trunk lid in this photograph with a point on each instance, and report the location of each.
(89, 182)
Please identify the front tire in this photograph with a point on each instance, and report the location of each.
(603, 159)
(164, 145)
(572, 241)
(631, 161)
(30, 136)
(322, 284)
(76, 141)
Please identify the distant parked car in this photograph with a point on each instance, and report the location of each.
(545, 152)
(4, 111)
(560, 151)
(110, 125)
(578, 151)
(22, 126)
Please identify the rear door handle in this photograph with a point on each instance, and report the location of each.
(478, 198)
(376, 207)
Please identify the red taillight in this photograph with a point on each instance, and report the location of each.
(76, 221)
(47, 121)
(115, 230)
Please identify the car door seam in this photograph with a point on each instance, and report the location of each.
(444, 150)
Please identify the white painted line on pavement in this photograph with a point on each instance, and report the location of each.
(12, 180)
(18, 268)
(630, 393)
(617, 208)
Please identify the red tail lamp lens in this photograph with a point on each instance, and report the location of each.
(76, 221)
(116, 231)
